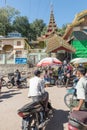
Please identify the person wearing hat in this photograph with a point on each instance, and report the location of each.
(37, 88)
(81, 88)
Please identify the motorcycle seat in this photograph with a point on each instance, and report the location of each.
(31, 107)
(80, 116)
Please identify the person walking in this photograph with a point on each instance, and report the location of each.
(81, 89)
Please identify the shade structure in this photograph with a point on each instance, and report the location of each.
(74, 60)
(48, 61)
(81, 61)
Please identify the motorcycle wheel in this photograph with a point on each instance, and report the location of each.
(24, 85)
(25, 125)
(59, 83)
(9, 85)
(4, 83)
(70, 100)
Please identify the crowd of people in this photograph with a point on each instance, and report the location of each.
(40, 80)
(53, 74)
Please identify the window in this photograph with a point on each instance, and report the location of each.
(18, 43)
(18, 53)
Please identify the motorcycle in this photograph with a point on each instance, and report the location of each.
(13, 82)
(3, 82)
(34, 116)
(60, 81)
(77, 120)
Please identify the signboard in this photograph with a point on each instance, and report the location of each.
(20, 60)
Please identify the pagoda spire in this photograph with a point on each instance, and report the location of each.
(52, 27)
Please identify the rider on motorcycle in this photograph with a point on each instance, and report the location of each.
(36, 89)
(18, 77)
(34, 115)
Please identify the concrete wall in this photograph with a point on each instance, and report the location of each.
(36, 57)
(9, 68)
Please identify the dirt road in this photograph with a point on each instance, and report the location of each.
(13, 99)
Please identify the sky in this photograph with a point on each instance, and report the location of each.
(64, 10)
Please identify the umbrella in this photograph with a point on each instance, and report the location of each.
(81, 60)
(74, 60)
(49, 61)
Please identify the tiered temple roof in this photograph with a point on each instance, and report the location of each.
(52, 24)
(53, 40)
(52, 27)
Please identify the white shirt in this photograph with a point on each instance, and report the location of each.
(36, 86)
(81, 85)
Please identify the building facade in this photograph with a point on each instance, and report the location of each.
(13, 48)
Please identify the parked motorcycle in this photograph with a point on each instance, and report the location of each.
(60, 81)
(34, 116)
(12, 81)
(3, 81)
(77, 120)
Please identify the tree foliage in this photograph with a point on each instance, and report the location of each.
(21, 24)
(62, 30)
(7, 14)
(36, 28)
(10, 20)
(44, 30)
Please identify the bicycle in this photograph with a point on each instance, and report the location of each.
(70, 99)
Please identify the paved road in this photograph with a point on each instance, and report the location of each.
(13, 99)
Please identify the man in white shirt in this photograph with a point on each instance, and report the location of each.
(81, 88)
(36, 88)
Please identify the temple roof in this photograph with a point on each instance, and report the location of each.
(79, 18)
(52, 24)
(56, 43)
(52, 27)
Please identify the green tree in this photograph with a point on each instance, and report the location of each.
(21, 24)
(7, 14)
(62, 30)
(44, 30)
(36, 28)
